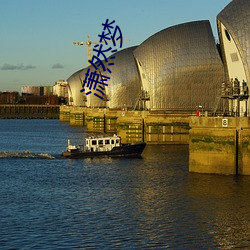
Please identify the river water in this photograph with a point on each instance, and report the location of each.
(149, 203)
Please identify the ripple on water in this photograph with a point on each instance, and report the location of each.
(145, 203)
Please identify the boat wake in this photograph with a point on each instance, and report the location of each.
(26, 154)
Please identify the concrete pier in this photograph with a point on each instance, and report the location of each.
(219, 145)
(64, 114)
(132, 126)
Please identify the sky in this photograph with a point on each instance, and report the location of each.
(36, 35)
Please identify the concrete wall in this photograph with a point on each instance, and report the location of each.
(132, 126)
(219, 145)
(64, 114)
(167, 129)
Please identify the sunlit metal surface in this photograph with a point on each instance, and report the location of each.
(124, 85)
(123, 88)
(91, 99)
(236, 18)
(76, 98)
(234, 33)
(180, 67)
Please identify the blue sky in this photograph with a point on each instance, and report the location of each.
(36, 35)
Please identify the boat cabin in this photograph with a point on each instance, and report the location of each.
(104, 143)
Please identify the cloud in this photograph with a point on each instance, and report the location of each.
(29, 67)
(57, 66)
(7, 66)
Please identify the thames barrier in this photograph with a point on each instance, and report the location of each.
(159, 86)
(132, 126)
(179, 86)
(218, 145)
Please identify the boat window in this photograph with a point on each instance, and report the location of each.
(100, 142)
(93, 142)
(112, 142)
(107, 142)
(117, 141)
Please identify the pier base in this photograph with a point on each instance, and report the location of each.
(132, 126)
(219, 145)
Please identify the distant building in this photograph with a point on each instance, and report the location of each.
(41, 100)
(30, 90)
(47, 90)
(39, 95)
(60, 89)
(9, 97)
(37, 90)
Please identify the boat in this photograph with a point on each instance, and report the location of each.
(101, 146)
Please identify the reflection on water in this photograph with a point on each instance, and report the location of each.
(107, 203)
(224, 201)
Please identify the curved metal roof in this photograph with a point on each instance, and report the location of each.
(124, 84)
(91, 99)
(180, 67)
(123, 88)
(236, 18)
(74, 86)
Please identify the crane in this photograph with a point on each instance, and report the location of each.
(89, 42)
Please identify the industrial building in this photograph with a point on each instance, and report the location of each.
(37, 90)
(9, 97)
(60, 89)
(40, 95)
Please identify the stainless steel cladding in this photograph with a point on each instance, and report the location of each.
(76, 98)
(180, 67)
(234, 23)
(234, 33)
(124, 86)
(91, 99)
